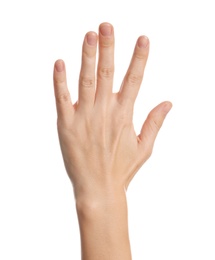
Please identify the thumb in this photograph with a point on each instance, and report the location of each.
(152, 126)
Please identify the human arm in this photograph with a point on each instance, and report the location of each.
(100, 148)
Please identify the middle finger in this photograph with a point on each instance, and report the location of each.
(105, 68)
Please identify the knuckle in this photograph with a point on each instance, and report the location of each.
(106, 72)
(154, 124)
(59, 81)
(86, 82)
(63, 127)
(140, 56)
(63, 98)
(133, 79)
(149, 151)
(88, 54)
(146, 151)
(106, 43)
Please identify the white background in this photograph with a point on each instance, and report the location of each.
(172, 198)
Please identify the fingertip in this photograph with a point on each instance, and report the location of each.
(143, 41)
(167, 106)
(106, 29)
(91, 38)
(59, 65)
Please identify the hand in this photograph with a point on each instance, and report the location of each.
(100, 148)
(97, 137)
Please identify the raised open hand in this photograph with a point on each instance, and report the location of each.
(99, 145)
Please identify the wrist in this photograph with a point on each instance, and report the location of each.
(104, 219)
(102, 216)
(95, 201)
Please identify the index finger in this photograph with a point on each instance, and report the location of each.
(134, 75)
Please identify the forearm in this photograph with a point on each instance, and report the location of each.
(104, 226)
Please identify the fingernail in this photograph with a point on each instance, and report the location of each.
(106, 29)
(143, 42)
(167, 107)
(92, 38)
(59, 65)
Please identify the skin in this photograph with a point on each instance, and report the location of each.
(100, 148)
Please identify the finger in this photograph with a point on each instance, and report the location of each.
(105, 68)
(134, 75)
(87, 73)
(152, 126)
(62, 96)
